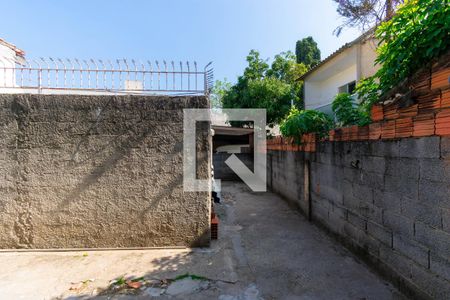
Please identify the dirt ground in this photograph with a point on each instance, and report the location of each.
(265, 251)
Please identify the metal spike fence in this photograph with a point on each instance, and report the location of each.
(117, 76)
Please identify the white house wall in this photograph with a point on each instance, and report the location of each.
(7, 78)
(352, 64)
(320, 93)
(368, 56)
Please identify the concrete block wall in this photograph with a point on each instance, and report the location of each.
(389, 200)
(285, 176)
(221, 169)
(99, 172)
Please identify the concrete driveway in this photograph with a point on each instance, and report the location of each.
(265, 251)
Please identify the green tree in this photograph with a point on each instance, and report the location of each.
(218, 91)
(307, 52)
(285, 68)
(269, 93)
(364, 14)
(273, 87)
(257, 67)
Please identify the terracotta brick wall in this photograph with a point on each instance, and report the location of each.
(428, 115)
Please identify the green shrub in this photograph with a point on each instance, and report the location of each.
(347, 112)
(417, 33)
(299, 122)
(368, 92)
(344, 110)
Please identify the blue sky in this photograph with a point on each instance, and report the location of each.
(203, 30)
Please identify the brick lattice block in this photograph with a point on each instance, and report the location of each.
(215, 228)
(312, 141)
(376, 113)
(429, 102)
(388, 129)
(277, 143)
(403, 127)
(288, 144)
(309, 142)
(284, 144)
(301, 147)
(273, 145)
(293, 144)
(345, 133)
(410, 111)
(445, 98)
(375, 131)
(363, 133)
(354, 133)
(440, 78)
(269, 144)
(338, 134)
(424, 125)
(443, 122)
(391, 112)
(331, 135)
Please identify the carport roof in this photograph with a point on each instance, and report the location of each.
(228, 130)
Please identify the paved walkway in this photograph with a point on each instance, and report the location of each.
(265, 251)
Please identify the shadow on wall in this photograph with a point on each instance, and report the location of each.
(99, 172)
(122, 149)
(163, 193)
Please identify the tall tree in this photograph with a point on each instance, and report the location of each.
(364, 14)
(257, 67)
(307, 52)
(218, 91)
(285, 68)
(273, 87)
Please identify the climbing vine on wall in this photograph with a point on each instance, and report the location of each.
(417, 33)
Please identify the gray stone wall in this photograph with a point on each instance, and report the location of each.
(99, 171)
(387, 200)
(286, 176)
(221, 169)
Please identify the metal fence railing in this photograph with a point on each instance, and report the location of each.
(104, 76)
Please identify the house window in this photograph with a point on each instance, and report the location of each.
(347, 88)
